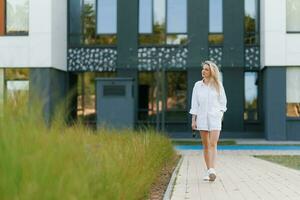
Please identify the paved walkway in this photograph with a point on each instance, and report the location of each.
(239, 176)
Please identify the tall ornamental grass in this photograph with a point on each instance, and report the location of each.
(63, 162)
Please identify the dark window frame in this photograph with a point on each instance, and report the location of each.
(19, 33)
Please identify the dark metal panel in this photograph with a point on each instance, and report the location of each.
(293, 129)
(114, 111)
(127, 30)
(132, 73)
(48, 87)
(233, 19)
(275, 103)
(234, 88)
(197, 32)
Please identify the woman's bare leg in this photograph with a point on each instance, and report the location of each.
(213, 141)
(206, 149)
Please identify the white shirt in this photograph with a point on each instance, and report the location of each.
(208, 105)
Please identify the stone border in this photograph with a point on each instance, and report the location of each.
(169, 191)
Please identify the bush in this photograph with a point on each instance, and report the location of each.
(63, 162)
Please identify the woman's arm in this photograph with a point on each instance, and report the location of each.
(194, 108)
(194, 103)
(223, 99)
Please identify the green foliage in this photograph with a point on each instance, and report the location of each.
(249, 24)
(215, 39)
(60, 162)
(250, 30)
(157, 37)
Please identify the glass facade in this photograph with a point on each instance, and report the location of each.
(17, 17)
(251, 36)
(162, 22)
(293, 16)
(106, 16)
(293, 92)
(95, 28)
(251, 96)
(163, 70)
(145, 16)
(215, 36)
(162, 95)
(176, 100)
(176, 16)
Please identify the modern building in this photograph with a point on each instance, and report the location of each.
(56, 47)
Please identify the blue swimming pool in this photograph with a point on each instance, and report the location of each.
(239, 147)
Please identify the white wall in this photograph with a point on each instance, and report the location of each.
(278, 48)
(46, 45)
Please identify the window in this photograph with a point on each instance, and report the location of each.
(145, 16)
(251, 93)
(16, 84)
(100, 30)
(293, 92)
(106, 16)
(176, 96)
(14, 17)
(177, 16)
(215, 36)
(251, 36)
(162, 22)
(293, 15)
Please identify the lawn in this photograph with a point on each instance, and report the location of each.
(292, 161)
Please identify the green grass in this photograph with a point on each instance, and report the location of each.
(61, 162)
(292, 161)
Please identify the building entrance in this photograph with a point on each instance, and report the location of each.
(162, 101)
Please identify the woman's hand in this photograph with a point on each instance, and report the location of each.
(194, 125)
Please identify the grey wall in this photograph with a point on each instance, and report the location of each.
(233, 25)
(127, 32)
(48, 87)
(275, 103)
(234, 88)
(197, 32)
(293, 129)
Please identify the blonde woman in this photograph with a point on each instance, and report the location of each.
(207, 109)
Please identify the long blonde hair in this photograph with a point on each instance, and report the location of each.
(214, 73)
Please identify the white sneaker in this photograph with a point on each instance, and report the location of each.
(212, 174)
(206, 176)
